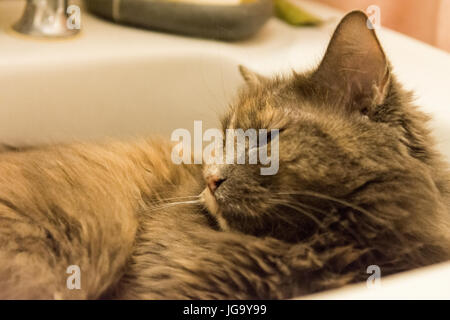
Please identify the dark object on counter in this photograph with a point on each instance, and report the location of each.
(224, 22)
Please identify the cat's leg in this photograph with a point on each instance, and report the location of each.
(186, 260)
(211, 266)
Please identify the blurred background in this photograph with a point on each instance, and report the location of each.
(426, 20)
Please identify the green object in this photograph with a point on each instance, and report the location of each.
(294, 15)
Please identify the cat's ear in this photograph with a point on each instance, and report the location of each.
(354, 64)
(252, 78)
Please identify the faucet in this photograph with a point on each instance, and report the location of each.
(45, 18)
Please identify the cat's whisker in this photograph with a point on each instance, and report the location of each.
(297, 208)
(327, 214)
(177, 198)
(166, 200)
(172, 204)
(340, 201)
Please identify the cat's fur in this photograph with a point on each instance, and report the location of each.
(78, 205)
(360, 183)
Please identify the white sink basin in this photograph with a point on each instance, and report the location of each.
(116, 81)
(128, 98)
(79, 89)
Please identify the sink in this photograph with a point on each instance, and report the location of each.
(81, 89)
(118, 81)
(136, 97)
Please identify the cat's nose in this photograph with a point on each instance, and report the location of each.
(214, 182)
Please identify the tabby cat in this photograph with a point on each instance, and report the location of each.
(359, 183)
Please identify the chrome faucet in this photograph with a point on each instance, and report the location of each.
(45, 18)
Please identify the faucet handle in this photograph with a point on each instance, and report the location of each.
(45, 18)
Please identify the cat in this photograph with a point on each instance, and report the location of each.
(359, 183)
